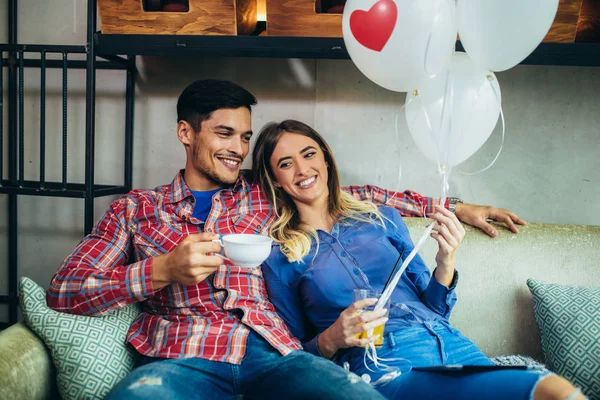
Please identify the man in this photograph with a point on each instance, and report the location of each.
(206, 329)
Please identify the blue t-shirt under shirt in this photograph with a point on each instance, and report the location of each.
(203, 203)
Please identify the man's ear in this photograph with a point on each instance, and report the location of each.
(185, 133)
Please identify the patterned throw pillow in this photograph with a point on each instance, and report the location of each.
(569, 318)
(89, 353)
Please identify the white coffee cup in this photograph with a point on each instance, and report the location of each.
(246, 250)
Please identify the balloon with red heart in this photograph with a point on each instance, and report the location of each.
(374, 27)
(399, 43)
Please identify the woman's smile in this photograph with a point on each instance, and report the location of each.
(308, 183)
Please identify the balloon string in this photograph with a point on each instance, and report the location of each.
(503, 135)
(432, 132)
(399, 147)
(370, 349)
(379, 364)
(430, 37)
(398, 143)
(447, 111)
(435, 134)
(461, 136)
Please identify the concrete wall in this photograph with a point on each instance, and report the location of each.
(548, 171)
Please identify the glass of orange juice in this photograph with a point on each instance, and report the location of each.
(360, 294)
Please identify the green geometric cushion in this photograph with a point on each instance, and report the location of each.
(569, 320)
(89, 353)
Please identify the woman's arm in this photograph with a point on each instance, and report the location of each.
(437, 294)
(449, 233)
(342, 334)
(286, 302)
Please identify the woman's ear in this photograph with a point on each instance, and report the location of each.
(277, 185)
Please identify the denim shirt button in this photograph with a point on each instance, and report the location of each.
(356, 272)
(343, 254)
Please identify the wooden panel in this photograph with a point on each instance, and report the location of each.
(247, 15)
(564, 28)
(205, 17)
(588, 28)
(299, 18)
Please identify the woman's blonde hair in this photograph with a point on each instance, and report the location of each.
(295, 236)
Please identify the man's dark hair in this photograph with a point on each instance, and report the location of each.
(198, 101)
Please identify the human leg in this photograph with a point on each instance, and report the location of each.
(177, 379)
(491, 385)
(419, 346)
(266, 374)
(301, 375)
(460, 351)
(455, 347)
(435, 344)
(554, 387)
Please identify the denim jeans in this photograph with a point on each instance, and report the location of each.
(436, 344)
(263, 374)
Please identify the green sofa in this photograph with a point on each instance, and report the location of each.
(26, 369)
(494, 309)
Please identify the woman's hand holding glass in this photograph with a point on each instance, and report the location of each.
(449, 233)
(343, 333)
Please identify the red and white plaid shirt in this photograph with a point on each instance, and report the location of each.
(112, 267)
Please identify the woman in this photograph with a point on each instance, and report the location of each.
(329, 244)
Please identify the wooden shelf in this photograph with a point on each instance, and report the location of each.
(574, 54)
(230, 46)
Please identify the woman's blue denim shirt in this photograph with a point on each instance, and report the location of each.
(310, 295)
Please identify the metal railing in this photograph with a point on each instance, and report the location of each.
(16, 59)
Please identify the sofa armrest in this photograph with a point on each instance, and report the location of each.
(26, 369)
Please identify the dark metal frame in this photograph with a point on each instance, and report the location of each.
(574, 54)
(16, 185)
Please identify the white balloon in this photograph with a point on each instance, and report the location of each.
(420, 45)
(499, 34)
(454, 112)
